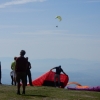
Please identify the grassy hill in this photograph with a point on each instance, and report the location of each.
(46, 93)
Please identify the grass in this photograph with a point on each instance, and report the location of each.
(46, 93)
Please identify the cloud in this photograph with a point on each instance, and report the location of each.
(93, 1)
(17, 2)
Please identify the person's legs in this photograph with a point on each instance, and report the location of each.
(24, 85)
(18, 87)
(29, 77)
(55, 77)
(23, 81)
(18, 82)
(0, 77)
(12, 80)
(59, 80)
(26, 79)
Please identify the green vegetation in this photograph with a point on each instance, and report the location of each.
(46, 93)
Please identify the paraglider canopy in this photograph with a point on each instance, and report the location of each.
(59, 18)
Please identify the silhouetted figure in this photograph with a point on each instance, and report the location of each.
(28, 72)
(57, 74)
(0, 73)
(21, 65)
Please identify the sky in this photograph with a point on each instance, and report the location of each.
(30, 25)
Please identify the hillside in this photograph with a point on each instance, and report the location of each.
(46, 93)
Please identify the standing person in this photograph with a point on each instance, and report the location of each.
(13, 68)
(12, 74)
(0, 73)
(28, 72)
(57, 74)
(20, 68)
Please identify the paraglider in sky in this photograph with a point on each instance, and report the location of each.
(59, 19)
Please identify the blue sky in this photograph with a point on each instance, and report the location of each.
(31, 25)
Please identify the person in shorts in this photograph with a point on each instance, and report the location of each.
(11, 75)
(57, 74)
(13, 64)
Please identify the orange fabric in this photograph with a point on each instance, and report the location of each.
(74, 83)
(82, 87)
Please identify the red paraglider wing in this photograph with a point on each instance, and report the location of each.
(47, 79)
(39, 81)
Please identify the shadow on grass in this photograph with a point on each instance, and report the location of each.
(34, 95)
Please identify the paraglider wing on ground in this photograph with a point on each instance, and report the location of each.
(47, 79)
